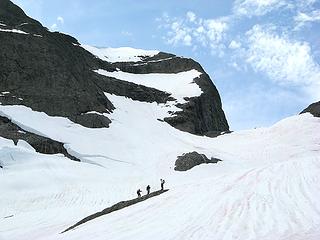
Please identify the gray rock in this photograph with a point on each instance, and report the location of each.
(313, 108)
(91, 120)
(192, 159)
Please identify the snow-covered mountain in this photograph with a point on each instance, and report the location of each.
(82, 128)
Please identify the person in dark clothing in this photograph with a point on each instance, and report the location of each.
(148, 189)
(162, 183)
(139, 192)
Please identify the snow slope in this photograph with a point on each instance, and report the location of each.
(179, 85)
(123, 54)
(267, 186)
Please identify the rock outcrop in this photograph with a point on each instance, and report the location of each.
(116, 207)
(192, 159)
(313, 108)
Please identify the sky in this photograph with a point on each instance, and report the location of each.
(262, 55)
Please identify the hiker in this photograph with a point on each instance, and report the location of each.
(148, 189)
(139, 193)
(162, 183)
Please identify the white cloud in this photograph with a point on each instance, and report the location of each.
(302, 18)
(304, 3)
(215, 29)
(234, 44)
(308, 17)
(283, 60)
(179, 34)
(192, 30)
(54, 27)
(187, 40)
(251, 8)
(60, 20)
(126, 33)
(191, 16)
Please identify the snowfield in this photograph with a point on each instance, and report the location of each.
(179, 85)
(123, 54)
(267, 186)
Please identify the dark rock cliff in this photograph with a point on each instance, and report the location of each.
(47, 71)
(202, 115)
(313, 108)
(50, 72)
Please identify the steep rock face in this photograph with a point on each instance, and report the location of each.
(12, 15)
(47, 71)
(51, 72)
(201, 115)
(313, 108)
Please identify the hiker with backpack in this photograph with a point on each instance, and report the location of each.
(139, 193)
(148, 189)
(162, 184)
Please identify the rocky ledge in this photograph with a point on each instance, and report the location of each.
(116, 207)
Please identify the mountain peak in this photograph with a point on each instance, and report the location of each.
(13, 17)
(11, 14)
(53, 73)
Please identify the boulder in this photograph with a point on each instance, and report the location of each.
(192, 159)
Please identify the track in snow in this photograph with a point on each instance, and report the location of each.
(116, 207)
